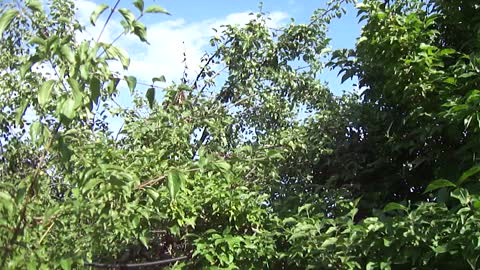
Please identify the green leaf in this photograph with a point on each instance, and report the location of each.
(127, 14)
(139, 4)
(35, 5)
(223, 166)
(150, 97)
(440, 249)
(156, 9)
(394, 206)
(36, 132)
(467, 174)
(44, 92)
(21, 111)
(91, 183)
(472, 260)
(112, 85)
(140, 31)
(158, 79)
(439, 183)
(461, 195)
(77, 94)
(174, 183)
(6, 19)
(38, 40)
(97, 12)
(131, 82)
(289, 220)
(68, 53)
(66, 264)
(68, 108)
(329, 241)
(25, 68)
(118, 53)
(6, 201)
(152, 193)
(94, 89)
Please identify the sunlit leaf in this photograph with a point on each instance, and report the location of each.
(91, 183)
(118, 53)
(329, 241)
(35, 5)
(174, 183)
(68, 53)
(97, 12)
(127, 14)
(156, 9)
(44, 92)
(68, 108)
(6, 19)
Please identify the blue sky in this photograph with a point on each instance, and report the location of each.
(189, 29)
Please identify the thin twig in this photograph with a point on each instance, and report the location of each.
(46, 232)
(136, 265)
(117, 38)
(151, 182)
(108, 19)
(159, 178)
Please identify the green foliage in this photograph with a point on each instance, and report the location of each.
(229, 175)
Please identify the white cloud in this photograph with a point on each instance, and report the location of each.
(169, 40)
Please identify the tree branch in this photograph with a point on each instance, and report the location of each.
(136, 265)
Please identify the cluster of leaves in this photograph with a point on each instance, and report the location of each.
(230, 177)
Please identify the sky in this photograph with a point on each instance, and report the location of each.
(189, 28)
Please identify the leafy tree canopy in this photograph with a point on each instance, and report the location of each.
(225, 174)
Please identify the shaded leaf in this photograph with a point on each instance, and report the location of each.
(139, 4)
(131, 82)
(94, 89)
(439, 183)
(150, 97)
(394, 206)
(140, 31)
(158, 79)
(467, 174)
